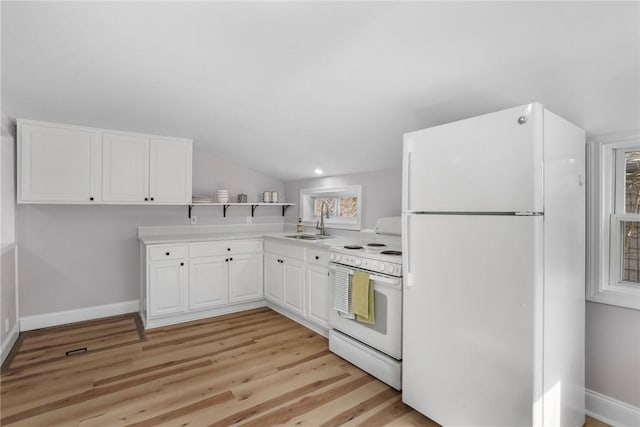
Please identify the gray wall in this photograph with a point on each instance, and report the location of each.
(381, 193)
(80, 256)
(613, 352)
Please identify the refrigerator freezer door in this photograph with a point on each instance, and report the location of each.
(490, 163)
(472, 326)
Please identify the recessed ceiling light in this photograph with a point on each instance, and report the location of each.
(318, 171)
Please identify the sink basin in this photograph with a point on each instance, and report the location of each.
(308, 236)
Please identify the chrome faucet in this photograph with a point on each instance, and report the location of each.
(320, 224)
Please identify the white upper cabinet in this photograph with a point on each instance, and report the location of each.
(58, 164)
(72, 164)
(170, 171)
(125, 168)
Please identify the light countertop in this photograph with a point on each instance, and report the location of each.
(209, 236)
(189, 234)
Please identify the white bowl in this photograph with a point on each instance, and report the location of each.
(222, 199)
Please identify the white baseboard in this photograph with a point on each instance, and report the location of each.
(201, 314)
(28, 323)
(611, 411)
(12, 337)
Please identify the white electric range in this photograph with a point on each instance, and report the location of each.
(375, 348)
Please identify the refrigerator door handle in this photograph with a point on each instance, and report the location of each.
(407, 180)
(408, 277)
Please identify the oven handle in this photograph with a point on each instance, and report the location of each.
(382, 279)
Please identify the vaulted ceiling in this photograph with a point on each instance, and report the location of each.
(286, 87)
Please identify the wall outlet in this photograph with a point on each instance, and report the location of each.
(194, 220)
(6, 325)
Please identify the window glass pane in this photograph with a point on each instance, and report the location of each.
(330, 205)
(349, 207)
(632, 182)
(631, 251)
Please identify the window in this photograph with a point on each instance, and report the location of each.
(341, 206)
(614, 220)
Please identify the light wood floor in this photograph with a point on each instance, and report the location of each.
(255, 368)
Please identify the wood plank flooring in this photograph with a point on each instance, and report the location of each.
(48, 344)
(255, 368)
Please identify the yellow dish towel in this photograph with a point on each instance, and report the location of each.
(362, 297)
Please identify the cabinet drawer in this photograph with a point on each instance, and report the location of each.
(318, 257)
(224, 247)
(163, 252)
(290, 250)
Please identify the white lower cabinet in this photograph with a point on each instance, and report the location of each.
(293, 285)
(167, 284)
(296, 281)
(318, 294)
(208, 282)
(188, 281)
(272, 278)
(245, 277)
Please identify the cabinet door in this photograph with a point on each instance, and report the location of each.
(170, 171)
(293, 285)
(208, 282)
(58, 163)
(245, 277)
(318, 294)
(272, 278)
(167, 287)
(125, 168)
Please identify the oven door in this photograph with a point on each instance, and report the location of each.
(385, 334)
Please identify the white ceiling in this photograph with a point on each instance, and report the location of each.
(284, 88)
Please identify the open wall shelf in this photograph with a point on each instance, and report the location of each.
(254, 206)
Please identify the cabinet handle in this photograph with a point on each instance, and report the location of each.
(146, 199)
(152, 199)
(167, 253)
(230, 259)
(182, 263)
(226, 260)
(91, 198)
(228, 249)
(317, 257)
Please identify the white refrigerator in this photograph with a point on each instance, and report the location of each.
(494, 264)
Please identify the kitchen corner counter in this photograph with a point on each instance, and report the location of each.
(188, 234)
(325, 243)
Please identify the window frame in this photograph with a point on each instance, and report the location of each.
(606, 171)
(307, 206)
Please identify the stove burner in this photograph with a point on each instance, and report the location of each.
(353, 247)
(376, 245)
(391, 252)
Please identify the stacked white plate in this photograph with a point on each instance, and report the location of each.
(201, 198)
(222, 196)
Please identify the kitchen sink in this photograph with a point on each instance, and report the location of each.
(308, 236)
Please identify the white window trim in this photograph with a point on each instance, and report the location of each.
(603, 280)
(306, 206)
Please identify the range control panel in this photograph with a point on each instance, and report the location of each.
(390, 268)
